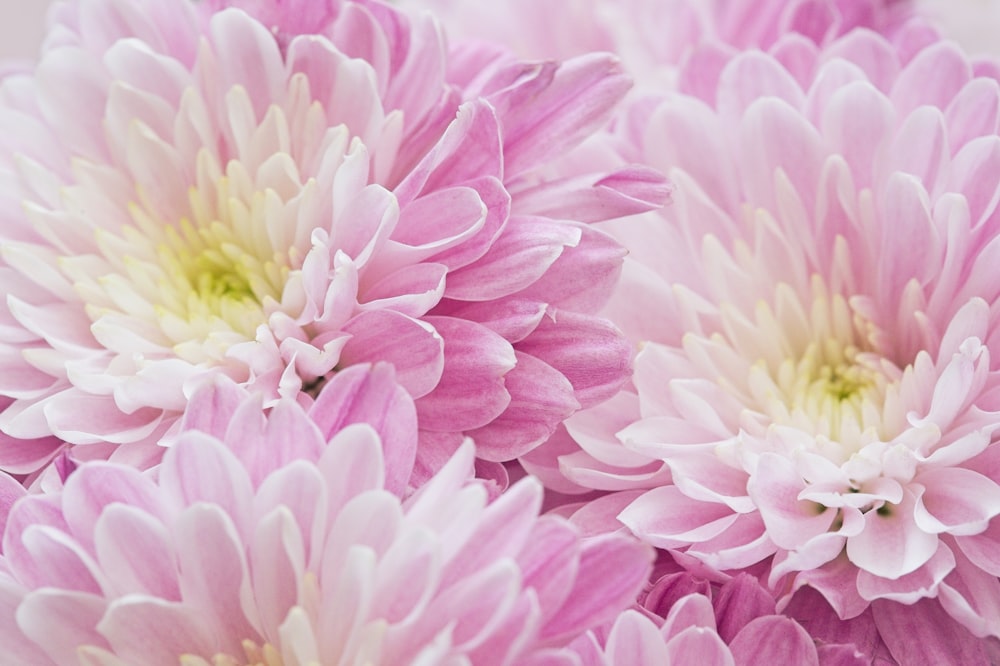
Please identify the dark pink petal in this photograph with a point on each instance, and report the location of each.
(525, 250)
(540, 399)
(583, 277)
(591, 353)
(470, 392)
(20, 456)
(512, 318)
(738, 602)
(771, 640)
(941, 639)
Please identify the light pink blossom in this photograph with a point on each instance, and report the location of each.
(816, 390)
(276, 545)
(187, 193)
(653, 37)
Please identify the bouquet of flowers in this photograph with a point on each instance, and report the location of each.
(529, 333)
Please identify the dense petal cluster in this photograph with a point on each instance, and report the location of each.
(190, 193)
(817, 383)
(683, 621)
(297, 554)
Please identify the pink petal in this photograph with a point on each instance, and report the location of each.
(667, 518)
(591, 353)
(371, 395)
(942, 640)
(891, 544)
(540, 398)
(613, 568)
(74, 614)
(471, 391)
(634, 639)
(771, 640)
(412, 346)
(146, 629)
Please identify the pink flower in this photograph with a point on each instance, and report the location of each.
(736, 626)
(654, 36)
(299, 555)
(188, 195)
(817, 383)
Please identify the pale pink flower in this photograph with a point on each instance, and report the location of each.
(654, 36)
(817, 384)
(275, 546)
(186, 194)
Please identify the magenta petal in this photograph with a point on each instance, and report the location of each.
(412, 346)
(942, 639)
(771, 640)
(738, 602)
(540, 399)
(471, 390)
(23, 456)
(591, 353)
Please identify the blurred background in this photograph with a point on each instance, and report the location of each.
(974, 23)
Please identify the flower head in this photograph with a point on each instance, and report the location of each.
(298, 556)
(191, 194)
(816, 386)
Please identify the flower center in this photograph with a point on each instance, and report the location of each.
(815, 370)
(201, 283)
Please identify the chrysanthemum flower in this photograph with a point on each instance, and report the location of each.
(186, 193)
(296, 556)
(654, 36)
(737, 626)
(817, 387)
